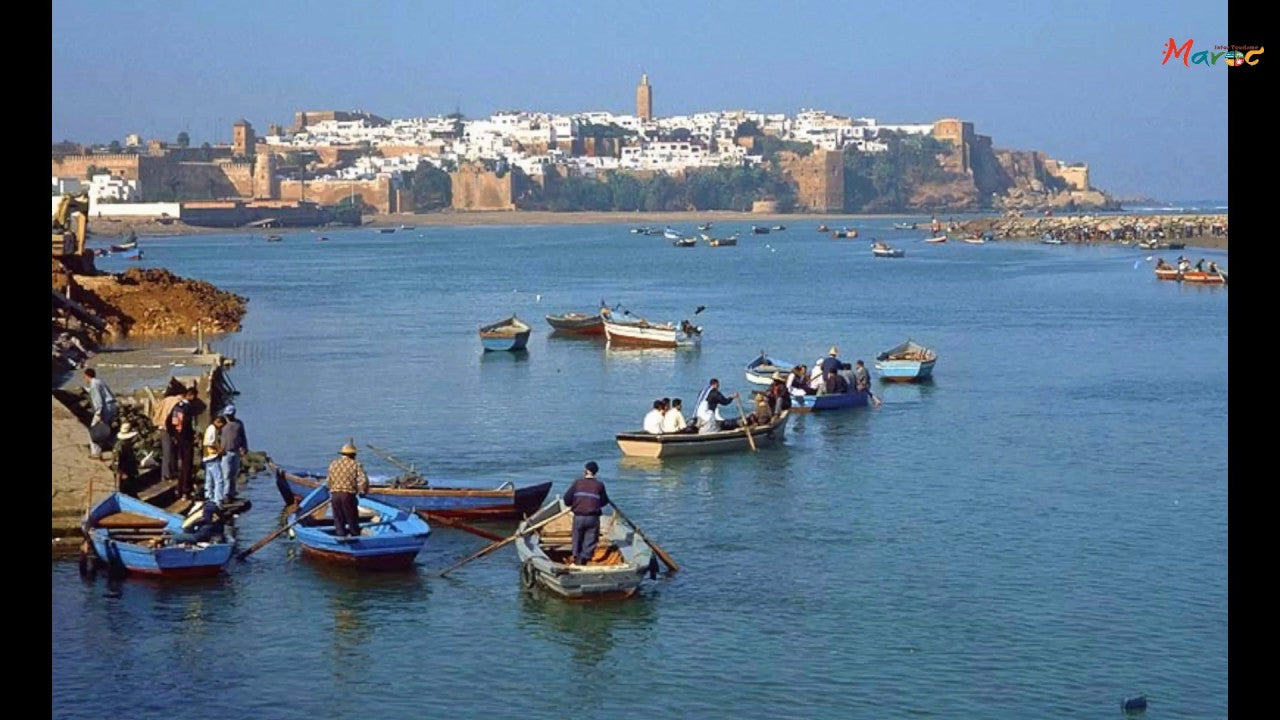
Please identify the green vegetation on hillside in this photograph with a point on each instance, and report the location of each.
(885, 181)
(725, 188)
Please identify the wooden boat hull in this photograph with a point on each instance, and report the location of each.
(941, 239)
(760, 371)
(505, 503)
(684, 242)
(1197, 276)
(648, 335)
(629, 559)
(508, 335)
(723, 242)
(124, 247)
(185, 560)
(908, 362)
(640, 444)
(389, 541)
(1168, 274)
(577, 324)
(835, 401)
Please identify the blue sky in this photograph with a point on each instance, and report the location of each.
(1081, 81)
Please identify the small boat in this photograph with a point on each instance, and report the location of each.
(977, 240)
(274, 238)
(670, 234)
(576, 323)
(704, 227)
(823, 228)
(1168, 273)
(638, 443)
(760, 371)
(721, 242)
(1204, 277)
(619, 564)
(406, 227)
(829, 401)
(907, 362)
(322, 238)
(779, 228)
(1048, 239)
(463, 499)
(685, 242)
(642, 332)
(938, 239)
(759, 230)
(904, 226)
(390, 537)
(883, 250)
(509, 334)
(640, 231)
(125, 246)
(386, 230)
(848, 233)
(147, 540)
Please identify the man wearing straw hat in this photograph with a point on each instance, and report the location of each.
(346, 478)
(126, 460)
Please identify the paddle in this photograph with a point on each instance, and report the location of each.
(262, 543)
(499, 544)
(662, 554)
(410, 473)
(743, 414)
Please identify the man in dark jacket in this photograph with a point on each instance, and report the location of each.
(586, 496)
(180, 425)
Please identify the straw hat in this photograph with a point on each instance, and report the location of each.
(833, 351)
(348, 449)
(779, 377)
(126, 431)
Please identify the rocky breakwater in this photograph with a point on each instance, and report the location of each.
(1192, 230)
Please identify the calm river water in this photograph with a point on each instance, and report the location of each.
(1041, 532)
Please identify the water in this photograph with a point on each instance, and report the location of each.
(1041, 532)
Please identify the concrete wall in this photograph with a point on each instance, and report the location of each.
(134, 210)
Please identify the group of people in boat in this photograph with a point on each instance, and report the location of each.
(830, 375)
(1184, 265)
(667, 415)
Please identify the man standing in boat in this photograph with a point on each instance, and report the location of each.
(831, 370)
(862, 381)
(346, 477)
(707, 410)
(586, 496)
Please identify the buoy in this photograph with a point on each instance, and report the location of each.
(1137, 704)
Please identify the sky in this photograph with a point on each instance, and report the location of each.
(1080, 80)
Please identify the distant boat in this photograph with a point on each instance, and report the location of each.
(844, 233)
(823, 228)
(759, 230)
(406, 227)
(1048, 239)
(619, 564)
(125, 246)
(760, 371)
(684, 242)
(974, 240)
(938, 239)
(322, 238)
(704, 227)
(390, 537)
(274, 238)
(576, 323)
(643, 444)
(884, 250)
(509, 335)
(643, 333)
(386, 230)
(779, 228)
(904, 226)
(1204, 277)
(908, 362)
(146, 540)
(720, 242)
(670, 234)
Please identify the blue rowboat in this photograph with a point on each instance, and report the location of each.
(908, 362)
(760, 371)
(389, 539)
(146, 540)
(834, 401)
(462, 499)
(509, 335)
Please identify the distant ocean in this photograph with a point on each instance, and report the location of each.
(1178, 206)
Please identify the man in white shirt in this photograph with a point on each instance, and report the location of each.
(215, 483)
(673, 421)
(653, 421)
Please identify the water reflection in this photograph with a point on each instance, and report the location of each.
(591, 630)
(905, 393)
(504, 356)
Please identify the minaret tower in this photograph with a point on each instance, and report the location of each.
(644, 98)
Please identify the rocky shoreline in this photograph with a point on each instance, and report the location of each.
(1204, 231)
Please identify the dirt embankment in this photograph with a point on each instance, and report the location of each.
(153, 302)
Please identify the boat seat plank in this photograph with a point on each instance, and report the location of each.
(130, 521)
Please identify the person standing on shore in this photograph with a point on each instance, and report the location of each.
(215, 484)
(585, 497)
(125, 458)
(104, 408)
(234, 447)
(346, 479)
(159, 418)
(180, 426)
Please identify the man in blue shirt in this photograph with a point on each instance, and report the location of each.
(586, 496)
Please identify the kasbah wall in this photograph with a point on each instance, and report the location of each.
(474, 188)
(378, 193)
(818, 177)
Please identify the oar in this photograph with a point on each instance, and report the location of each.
(499, 544)
(662, 554)
(743, 414)
(410, 472)
(261, 543)
(432, 517)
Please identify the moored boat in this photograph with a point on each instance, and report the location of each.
(979, 240)
(685, 242)
(721, 242)
(618, 566)
(143, 539)
(643, 444)
(642, 332)
(908, 362)
(510, 335)
(576, 323)
(904, 226)
(670, 234)
(759, 230)
(845, 233)
(386, 230)
(883, 250)
(823, 228)
(390, 537)
(1048, 239)
(760, 371)
(274, 238)
(125, 246)
(462, 499)
(938, 239)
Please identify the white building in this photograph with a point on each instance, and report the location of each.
(105, 188)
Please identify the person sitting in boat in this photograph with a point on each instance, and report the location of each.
(777, 394)
(1162, 265)
(763, 413)
(653, 420)
(798, 382)
(708, 409)
(689, 329)
(1200, 265)
(204, 523)
(1213, 267)
(673, 421)
(837, 382)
